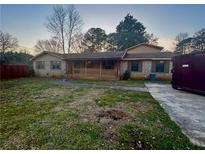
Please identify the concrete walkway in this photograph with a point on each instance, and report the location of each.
(186, 109)
(93, 85)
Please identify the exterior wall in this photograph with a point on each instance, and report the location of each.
(165, 76)
(97, 72)
(47, 71)
(146, 71)
(94, 73)
(143, 49)
(123, 66)
(146, 64)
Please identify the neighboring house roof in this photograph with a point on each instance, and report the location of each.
(96, 55)
(198, 51)
(193, 52)
(188, 40)
(58, 55)
(151, 55)
(145, 44)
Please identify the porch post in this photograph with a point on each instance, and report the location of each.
(118, 69)
(85, 73)
(72, 62)
(100, 69)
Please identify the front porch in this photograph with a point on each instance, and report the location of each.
(93, 69)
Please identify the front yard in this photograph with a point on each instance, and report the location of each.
(38, 114)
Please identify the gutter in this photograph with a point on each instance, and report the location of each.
(147, 59)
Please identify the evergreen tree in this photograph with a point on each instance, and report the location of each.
(129, 32)
(94, 40)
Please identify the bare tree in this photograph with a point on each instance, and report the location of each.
(179, 43)
(151, 39)
(64, 24)
(52, 45)
(181, 36)
(77, 43)
(56, 24)
(74, 25)
(7, 42)
(199, 40)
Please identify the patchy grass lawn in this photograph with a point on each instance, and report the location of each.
(132, 83)
(37, 114)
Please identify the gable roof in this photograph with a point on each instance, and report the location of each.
(96, 55)
(151, 55)
(110, 55)
(145, 44)
(85, 55)
(58, 55)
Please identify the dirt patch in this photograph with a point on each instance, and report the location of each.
(85, 100)
(116, 118)
(106, 116)
(110, 117)
(113, 114)
(142, 107)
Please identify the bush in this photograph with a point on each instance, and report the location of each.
(31, 72)
(126, 75)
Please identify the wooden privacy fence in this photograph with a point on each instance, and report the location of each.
(13, 71)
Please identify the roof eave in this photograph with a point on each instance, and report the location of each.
(46, 52)
(92, 58)
(155, 46)
(147, 58)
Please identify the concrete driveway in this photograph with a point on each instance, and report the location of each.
(186, 109)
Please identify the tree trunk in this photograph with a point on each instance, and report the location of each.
(63, 41)
(3, 49)
(69, 43)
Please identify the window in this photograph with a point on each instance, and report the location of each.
(89, 64)
(56, 65)
(108, 64)
(160, 66)
(77, 65)
(40, 65)
(135, 66)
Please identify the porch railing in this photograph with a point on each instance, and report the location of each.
(94, 73)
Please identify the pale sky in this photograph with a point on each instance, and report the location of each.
(27, 22)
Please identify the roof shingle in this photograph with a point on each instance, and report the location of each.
(96, 55)
(150, 55)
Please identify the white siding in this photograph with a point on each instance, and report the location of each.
(47, 71)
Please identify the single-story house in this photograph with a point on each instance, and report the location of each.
(140, 60)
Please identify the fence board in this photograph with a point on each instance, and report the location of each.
(13, 71)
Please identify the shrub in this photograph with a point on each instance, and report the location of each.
(31, 72)
(126, 75)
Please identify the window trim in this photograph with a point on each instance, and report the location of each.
(160, 67)
(42, 63)
(138, 66)
(159, 62)
(106, 65)
(56, 68)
